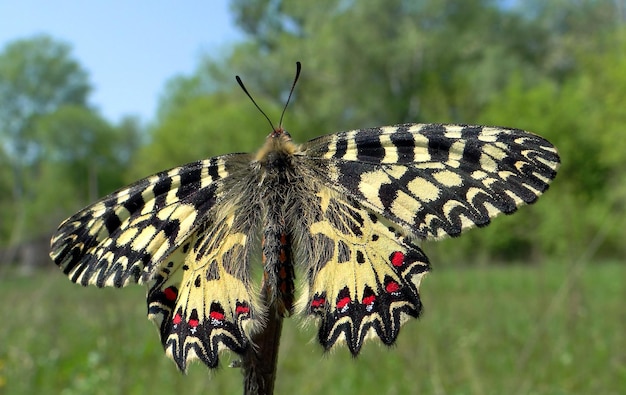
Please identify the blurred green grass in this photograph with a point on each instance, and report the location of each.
(486, 330)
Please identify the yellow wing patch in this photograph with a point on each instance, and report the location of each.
(368, 287)
(123, 238)
(436, 180)
(199, 306)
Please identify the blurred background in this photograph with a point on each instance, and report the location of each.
(95, 96)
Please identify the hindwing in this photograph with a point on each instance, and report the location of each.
(202, 299)
(367, 283)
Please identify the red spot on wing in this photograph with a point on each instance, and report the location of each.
(193, 323)
(319, 302)
(241, 309)
(369, 299)
(170, 293)
(216, 315)
(341, 303)
(392, 287)
(397, 258)
(177, 319)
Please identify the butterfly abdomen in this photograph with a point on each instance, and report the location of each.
(278, 270)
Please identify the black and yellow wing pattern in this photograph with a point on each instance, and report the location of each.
(345, 210)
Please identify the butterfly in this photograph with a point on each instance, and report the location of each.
(341, 214)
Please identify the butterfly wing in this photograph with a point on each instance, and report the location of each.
(384, 187)
(368, 283)
(123, 237)
(179, 232)
(201, 300)
(436, 180)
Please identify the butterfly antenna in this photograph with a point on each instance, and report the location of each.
(257, 106)
(293, 86)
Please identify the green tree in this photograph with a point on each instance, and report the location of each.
(205, 126)
(429, 60)
(583, 115)
(85, 153)
(37, 76)
(59, 154)
(520, 64)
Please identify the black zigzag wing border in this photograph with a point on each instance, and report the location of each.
(122, 237)
(434, 179)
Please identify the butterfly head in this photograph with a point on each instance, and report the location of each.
(279, 133)
(277, 144)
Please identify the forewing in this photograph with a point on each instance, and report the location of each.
(436, 180)
(123, 237)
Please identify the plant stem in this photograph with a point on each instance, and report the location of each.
(261, 360)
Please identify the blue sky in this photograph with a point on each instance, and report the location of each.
(129, 48)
